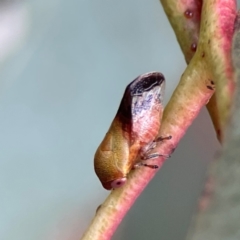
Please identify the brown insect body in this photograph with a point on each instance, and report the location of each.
(135, 125)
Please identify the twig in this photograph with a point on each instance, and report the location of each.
(217, 19)
(220, 218)
(192, 93)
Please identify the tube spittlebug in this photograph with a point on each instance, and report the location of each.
(132, 131)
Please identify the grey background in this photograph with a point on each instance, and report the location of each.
(59, 91)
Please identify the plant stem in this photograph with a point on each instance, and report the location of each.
(192, 93)
(220, 217)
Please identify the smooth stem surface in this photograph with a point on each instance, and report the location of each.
(218, 17)
(220, 218)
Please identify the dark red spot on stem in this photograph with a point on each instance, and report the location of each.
(194, 47)
(188, 14)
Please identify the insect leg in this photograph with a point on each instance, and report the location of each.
(141, 164)
(148, 148)
(150, 156)
(160, 139)
(154, 155)
(151, 146)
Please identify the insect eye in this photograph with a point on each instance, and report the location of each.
(118, 182)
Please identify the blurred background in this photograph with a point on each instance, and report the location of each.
(64, 66)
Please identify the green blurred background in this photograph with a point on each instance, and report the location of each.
(63, 68)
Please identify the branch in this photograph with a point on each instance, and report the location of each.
(222, 14)
(185, 17)
(220, 217)
(192, 93)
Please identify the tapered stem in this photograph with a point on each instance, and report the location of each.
(192, 93)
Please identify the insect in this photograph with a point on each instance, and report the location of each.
(133, 131)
